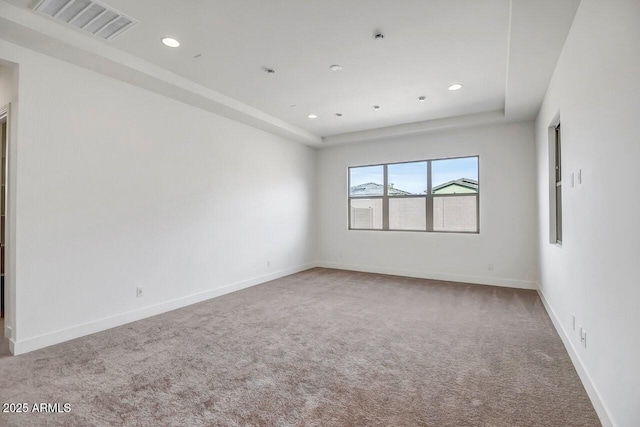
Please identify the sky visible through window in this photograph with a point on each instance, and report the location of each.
(451, 169)
(367, 174)
(412, 177)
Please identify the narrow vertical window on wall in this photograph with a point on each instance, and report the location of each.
(558, 184)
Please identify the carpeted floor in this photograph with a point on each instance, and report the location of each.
(319, 348)
(4, 343)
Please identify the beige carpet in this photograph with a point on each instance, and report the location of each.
(319, 348)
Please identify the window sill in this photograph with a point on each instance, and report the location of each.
(415, 231)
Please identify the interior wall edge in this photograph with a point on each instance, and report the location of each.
(592, 391)
(476, 280)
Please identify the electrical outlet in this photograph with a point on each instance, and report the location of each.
(573, 322)
(490, 267)
(579, 176)
(583, 337)
(139, 292)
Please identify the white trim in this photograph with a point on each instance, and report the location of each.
(41, 341)
(478, 280)
(5, 115)
(426, 126)
(592, 391)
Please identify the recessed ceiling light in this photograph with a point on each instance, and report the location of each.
(455, 86)
(170, 42)
(312, 116)
(335, 67)
(376, 107)
(422, 99)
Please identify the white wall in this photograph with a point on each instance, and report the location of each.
(118, 187)
(6, 84)
(507, 210)
(595, 274)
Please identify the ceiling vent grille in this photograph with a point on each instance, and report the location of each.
(89, 15)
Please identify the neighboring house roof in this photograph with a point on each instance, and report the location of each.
(373, 189)
(467, 183)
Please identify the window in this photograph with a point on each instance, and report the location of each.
(405, 181)
(426, 195)
(365, 211)
(558, 185)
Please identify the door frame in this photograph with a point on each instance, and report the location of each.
(9, 292)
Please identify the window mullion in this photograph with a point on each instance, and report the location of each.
(429, 199)
(385, 200)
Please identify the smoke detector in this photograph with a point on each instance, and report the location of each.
(91, 16)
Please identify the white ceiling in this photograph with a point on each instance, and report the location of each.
(502, 51)
(427, 46)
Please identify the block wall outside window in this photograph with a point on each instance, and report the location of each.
(455, 214)
(366, 214)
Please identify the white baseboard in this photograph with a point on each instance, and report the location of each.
(592, 391)
(492, 281)
(41, 341)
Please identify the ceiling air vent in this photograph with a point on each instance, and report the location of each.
(88, 15)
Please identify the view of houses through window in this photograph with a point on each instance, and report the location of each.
(426, 195)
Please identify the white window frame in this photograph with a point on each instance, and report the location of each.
(557, 185)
